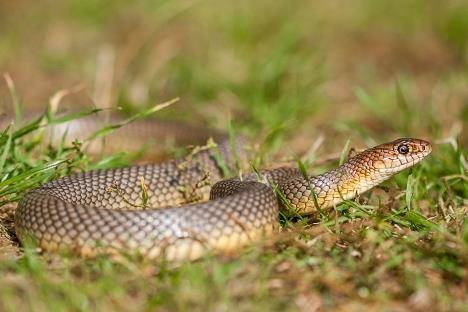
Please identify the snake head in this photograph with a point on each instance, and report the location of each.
(395, 156)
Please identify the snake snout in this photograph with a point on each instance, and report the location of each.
(412, 149)
(406, 152)
(390, 158)
(424, 147)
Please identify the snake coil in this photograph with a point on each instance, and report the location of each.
(102, 211)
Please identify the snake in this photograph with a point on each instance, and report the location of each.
(170, 210)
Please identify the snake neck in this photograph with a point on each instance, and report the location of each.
(353, 178)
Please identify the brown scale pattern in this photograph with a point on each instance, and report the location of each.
(101, 211)
(81, 213)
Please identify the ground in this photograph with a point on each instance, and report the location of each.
(304, 80)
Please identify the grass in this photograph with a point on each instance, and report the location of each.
(301, 79)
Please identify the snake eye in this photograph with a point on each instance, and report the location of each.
(403, 149)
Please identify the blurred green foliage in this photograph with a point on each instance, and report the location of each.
(286, 73)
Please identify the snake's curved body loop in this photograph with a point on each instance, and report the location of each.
(104, 210)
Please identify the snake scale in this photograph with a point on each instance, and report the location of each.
(103, 211)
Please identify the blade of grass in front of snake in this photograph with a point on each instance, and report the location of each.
(291, 211)
(305, 175)
(144, 192)
(282, 198)
(257, 172)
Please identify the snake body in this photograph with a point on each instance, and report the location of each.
(107, 211)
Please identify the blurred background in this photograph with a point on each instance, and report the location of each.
(300, 70)
(300, 78)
